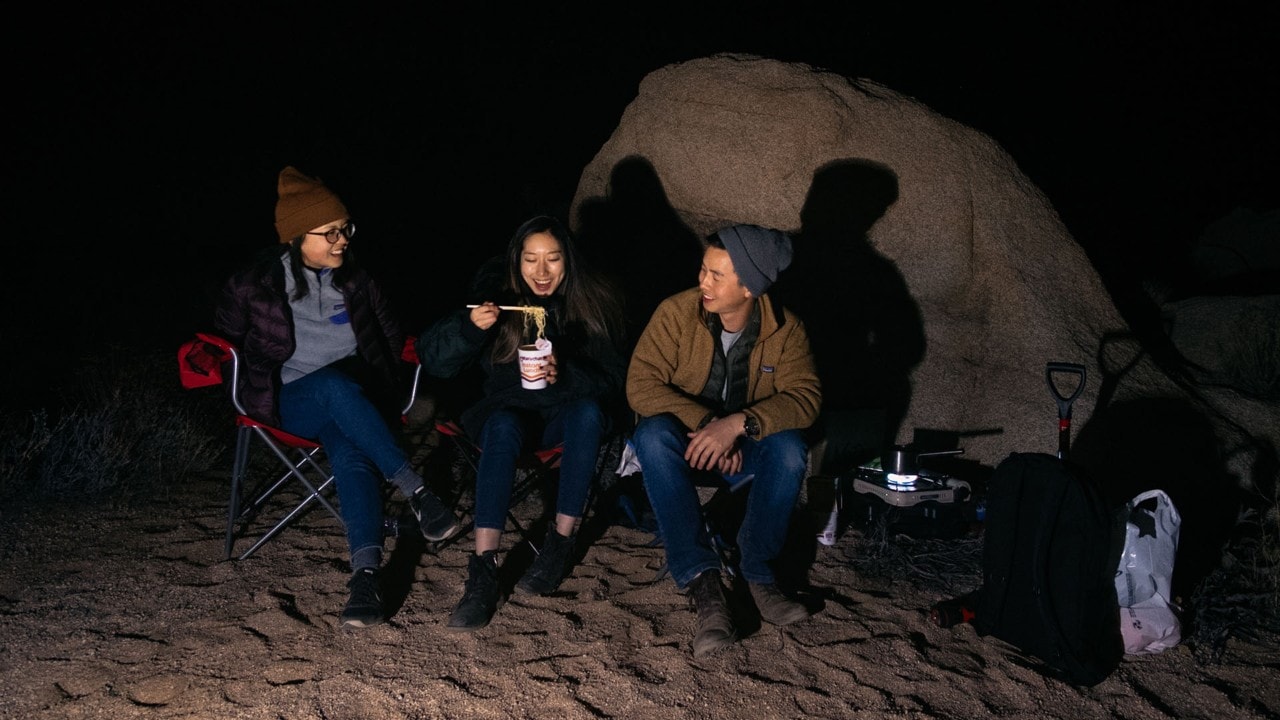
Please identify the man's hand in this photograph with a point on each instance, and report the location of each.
(715, 445)
(731, 464)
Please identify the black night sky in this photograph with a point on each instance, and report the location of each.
(148, 135)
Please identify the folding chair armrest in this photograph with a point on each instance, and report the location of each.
(409, 353)
(217, 341)
(200, 361)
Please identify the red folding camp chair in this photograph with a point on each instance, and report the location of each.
(534, 471)
(201, 363)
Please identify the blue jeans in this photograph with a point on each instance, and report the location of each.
(328, 406)
(579, 425)
(778, 463)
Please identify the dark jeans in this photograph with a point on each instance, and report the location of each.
(775, 466)
(580, 425)
(330, 407)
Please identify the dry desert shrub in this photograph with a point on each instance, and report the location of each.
(120, 430)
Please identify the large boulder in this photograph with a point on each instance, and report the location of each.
(927, 265)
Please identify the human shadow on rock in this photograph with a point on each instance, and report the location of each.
(865, 329)
(636, 237)
(1144, 444)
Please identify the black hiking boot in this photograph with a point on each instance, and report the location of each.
(364, 607)
(715, 626)
(551, 565)
(436, 521)
(480, 596)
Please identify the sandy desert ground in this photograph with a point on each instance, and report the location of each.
(134, 613)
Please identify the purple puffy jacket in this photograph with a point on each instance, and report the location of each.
(253, 313)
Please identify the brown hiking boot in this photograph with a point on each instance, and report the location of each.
(715, 626)
(775, 607)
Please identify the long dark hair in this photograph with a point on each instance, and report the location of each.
(584, 295)
(301, 284)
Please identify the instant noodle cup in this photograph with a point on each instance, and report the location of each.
(533, 364)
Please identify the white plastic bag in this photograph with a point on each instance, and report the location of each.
(1148, 618)
(630, 462)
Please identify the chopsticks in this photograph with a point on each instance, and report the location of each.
(521, 308)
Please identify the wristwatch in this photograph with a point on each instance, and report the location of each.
(751, 426)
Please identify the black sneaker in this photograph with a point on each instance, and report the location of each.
(480, 597)
(436, 521)
(550, 567)
(364, 607)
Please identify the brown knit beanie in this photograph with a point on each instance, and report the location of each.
(304, 203)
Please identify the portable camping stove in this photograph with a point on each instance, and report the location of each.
(908, 490)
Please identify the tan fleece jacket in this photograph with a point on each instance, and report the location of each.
(672, 360)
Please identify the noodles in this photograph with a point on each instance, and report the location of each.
(538, 316)
(532, 313)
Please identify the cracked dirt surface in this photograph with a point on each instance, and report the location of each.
(135, 614)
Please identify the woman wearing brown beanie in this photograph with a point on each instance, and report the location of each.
(321, 353)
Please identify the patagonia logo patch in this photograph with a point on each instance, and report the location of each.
(766, 368)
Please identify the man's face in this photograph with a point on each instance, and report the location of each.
(722, 292)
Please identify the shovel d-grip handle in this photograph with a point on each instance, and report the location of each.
(1064, 401)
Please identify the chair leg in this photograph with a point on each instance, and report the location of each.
(263, 493)
(535, 472)
(533, 479)
(238, 468)
(307, 458)
(275, 530)
(315, 493)
(240, 510)
(252, 502)
(519, 492)
(723, 515)
(464, 467)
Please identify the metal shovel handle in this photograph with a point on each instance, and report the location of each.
(1064, 401)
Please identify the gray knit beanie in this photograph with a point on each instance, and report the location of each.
(758, 254)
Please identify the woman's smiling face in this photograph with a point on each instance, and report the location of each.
(318, 253)
(542, 263)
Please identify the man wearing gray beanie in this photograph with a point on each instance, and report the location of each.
(724, 382)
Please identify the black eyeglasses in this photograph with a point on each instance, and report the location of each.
(331, 236)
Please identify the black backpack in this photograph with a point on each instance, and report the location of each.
(1050, 553)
